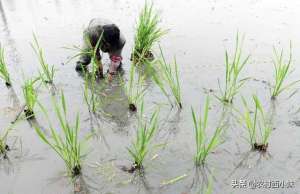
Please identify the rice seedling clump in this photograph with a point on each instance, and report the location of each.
(47, 71)
(96, 64)
(258, 126)
(145, 132)
(134, 89)
(4, 148)
(3, 68)
(233, 69)
(204, 145)
(148, 32)
(30, 97)
(282, 70)
(64, 140)
(167, 74)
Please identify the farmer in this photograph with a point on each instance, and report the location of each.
(112, 42)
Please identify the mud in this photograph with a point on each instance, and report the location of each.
(132, 107)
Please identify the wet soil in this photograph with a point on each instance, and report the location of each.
(8, 84)
(132, 168)
(6, 148)
(29, 113)
(76, 171)
(260, 147)
(132, 107)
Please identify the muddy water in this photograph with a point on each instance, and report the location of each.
(199, 34)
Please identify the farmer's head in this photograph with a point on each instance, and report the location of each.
(111, 35)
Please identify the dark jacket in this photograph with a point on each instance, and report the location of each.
(94, 31)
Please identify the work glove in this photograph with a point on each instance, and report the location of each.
(115, 62)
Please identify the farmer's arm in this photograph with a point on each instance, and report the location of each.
(115, 56)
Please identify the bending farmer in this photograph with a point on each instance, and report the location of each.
(112, 42)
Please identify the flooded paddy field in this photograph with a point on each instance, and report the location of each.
(199, 33)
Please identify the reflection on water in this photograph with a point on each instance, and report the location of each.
(116, 104)
(5, 35)
(110, 99)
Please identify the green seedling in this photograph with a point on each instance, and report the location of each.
(97, 68)
(4, 148)
(209, 187)
(93, 100)
(168, 75)
(145, 132)
(148, 32)
(64, 140)
(258, 127)
(3, 68)
(30, 97)
(204, 145)
(47, 71)
(134, 89)
(233, 70)
(89, 97)
(91, 52)
(282, 70)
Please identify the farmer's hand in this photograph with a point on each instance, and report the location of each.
(110, 77)
(115, 62)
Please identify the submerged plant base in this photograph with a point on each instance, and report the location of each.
(6, 148)
(4, 152)
(8, 84)
(132, 107)
(135, 57)
(132, 168)
(273, 97)
(149, 55)
(260, 147)
(180, 105)
(199, 162)
(29, 114)
(76, 171)
(226, 101)
(48, 82)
